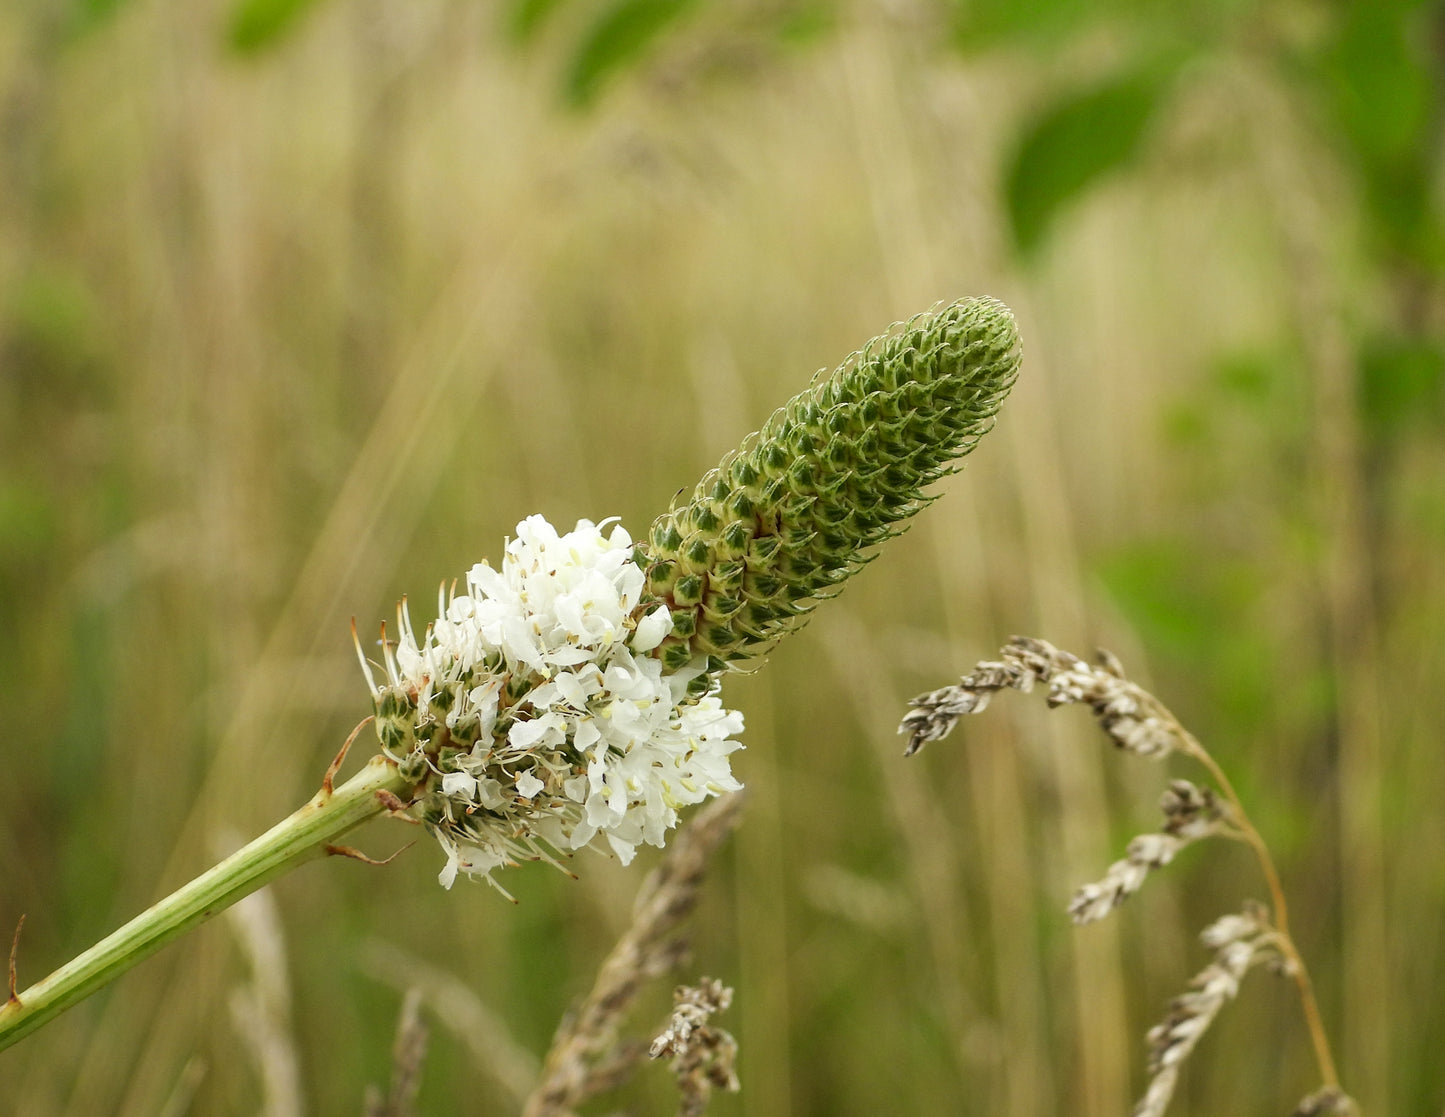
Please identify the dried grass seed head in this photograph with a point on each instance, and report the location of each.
(704, 1058)
(1190, 813)
(1126, 712)
(1240, 941)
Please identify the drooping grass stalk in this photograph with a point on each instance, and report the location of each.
(307, 834)
(1250, 835)
(1140, 723)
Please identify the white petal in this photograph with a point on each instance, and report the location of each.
(448, 876)
(459, 784)
(652, 629)
(624, 850)
(529, 734)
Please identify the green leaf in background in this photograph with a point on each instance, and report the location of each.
(1072, 144)
(28, 524)
(526, 17)
(619, 36)
(256, 25)
(52, 329)
(980, 24)
(1383, 88)
(89, 15)
(1159, 587)
(1193, 613)
(800, 24)
(1381, 77)
(1401, 385)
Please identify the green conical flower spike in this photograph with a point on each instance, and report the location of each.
(784, 520)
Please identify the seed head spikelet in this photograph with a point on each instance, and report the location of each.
(786, 518)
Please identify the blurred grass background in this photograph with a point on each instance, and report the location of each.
(304, 304)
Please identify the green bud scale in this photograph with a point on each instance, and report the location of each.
(784, 520)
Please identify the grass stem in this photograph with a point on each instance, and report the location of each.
(1296, 965)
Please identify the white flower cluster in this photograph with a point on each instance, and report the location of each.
(541, 717)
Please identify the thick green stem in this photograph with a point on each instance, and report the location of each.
(304, 835)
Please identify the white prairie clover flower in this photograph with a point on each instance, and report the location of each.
(537, 715)
(572, 695)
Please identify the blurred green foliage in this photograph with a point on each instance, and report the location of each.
(1073, 144)
(1402, 388)
(619, 35)
(1378, 74)
(259, 24)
